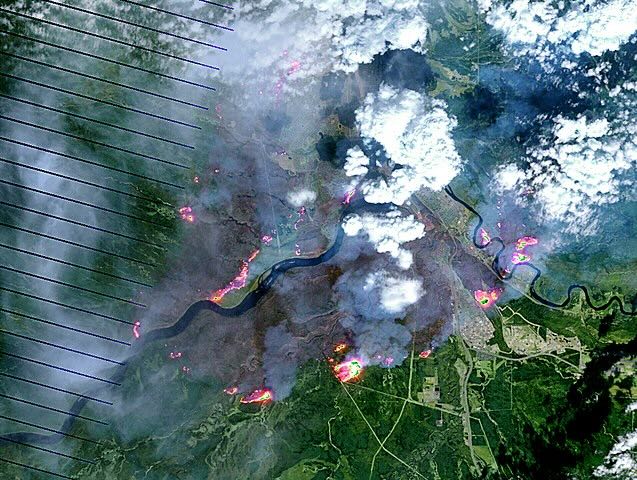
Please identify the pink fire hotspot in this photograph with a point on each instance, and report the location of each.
(301, 212)
(518, 258)
(186, 214)
(294, 67)
(262, 396)
(522, 243)
(348, 370)
(486, 298)
(347, 199)
(484, 237)
(237, 282)
(136, 327)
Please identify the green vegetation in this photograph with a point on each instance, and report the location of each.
(545, 398)
(521, 415)
(324, 430)
(529, 418)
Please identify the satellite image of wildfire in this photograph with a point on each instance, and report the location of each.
(338, 240)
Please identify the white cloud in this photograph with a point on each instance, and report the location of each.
(621, 462)
(387, 233)
(356, 162)
(333, 35)
(396, 294)
(361, 40)
(509, 177)
(301, 198)
(575, 169)
(415, 132)
(544, 28)
(375, 299)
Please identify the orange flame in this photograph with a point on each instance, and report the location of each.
(486, 298)
(340, 347)
(348, 370)
(258, 396)
(253, 255)
(237, 282)
(186, 214)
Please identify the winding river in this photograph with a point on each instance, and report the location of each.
(497, 269)
(264, 283)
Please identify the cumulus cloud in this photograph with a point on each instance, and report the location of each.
(621, 462)
(574, 169)
(306, 38)
(509, 177)
(396, 294)
(300, 198)
(415, 132)
(356, 162)
(546, 28)
(386, 233)
(375, 300)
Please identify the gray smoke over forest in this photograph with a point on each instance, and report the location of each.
(376, 301)
(302, 94)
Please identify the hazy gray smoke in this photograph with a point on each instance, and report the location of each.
(280, 360)
(63, 319)
(376, 299)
